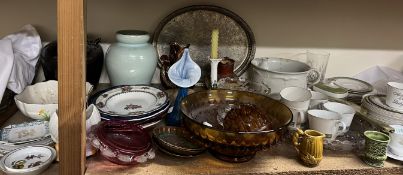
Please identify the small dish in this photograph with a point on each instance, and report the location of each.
(122, 142)
(30, 160)
(162, 149)
(131, 101)
(393, 156)
(25, 132)
(6, 147)
(243, 85)
(331, 90)
(380, 101)
(39, 101)
(177, 140)
(351, 84)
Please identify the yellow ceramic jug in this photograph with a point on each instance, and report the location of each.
(309, 145)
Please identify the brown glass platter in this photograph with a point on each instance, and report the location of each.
(170, 153)
(193, 25)
(177, 141)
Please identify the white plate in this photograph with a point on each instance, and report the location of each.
(32, 159)
(380, 101)
(25, 132)
(351, 84)
(128, 118)
(393, 156)
(131, 101)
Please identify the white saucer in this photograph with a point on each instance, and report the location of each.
(393, 156)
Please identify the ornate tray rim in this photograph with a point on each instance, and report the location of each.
(248, 31)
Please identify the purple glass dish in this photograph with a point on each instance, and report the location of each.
(122, 142)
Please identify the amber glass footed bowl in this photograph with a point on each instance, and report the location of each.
(200, 111)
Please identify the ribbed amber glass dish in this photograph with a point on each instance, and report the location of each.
(200, 111)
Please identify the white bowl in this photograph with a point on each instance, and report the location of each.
(30, 160)
(93, 117)
(39, 101)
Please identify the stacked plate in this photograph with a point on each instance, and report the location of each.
(378, 110)
(143, 105)
(356, 88)
(176, 141)
(24, 134)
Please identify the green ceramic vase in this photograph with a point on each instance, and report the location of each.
(132, 60)
(376, 144)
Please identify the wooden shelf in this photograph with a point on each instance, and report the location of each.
(280, 159)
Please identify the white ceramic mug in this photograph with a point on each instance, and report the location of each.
(327, 122)
(346, 112)
(317, 99)
(396, 140)
(299, 117)
(296, 97)
(394, 95)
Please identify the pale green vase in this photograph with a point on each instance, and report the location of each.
(132, 60)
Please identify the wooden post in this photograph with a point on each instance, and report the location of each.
(71, 35)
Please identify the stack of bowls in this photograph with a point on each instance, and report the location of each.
(143, 105)
(378, 110)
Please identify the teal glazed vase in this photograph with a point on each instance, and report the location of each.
(132, 60)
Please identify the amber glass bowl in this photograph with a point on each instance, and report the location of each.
(200, 111)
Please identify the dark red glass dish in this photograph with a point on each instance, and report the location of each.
(122, 142)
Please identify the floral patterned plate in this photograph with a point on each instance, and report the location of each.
(131, 101)
(25, 132)
(31, 159)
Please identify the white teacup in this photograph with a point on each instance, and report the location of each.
(394, 95)
(93, 117)
(296, 97)
(396, 140)
(326, 122)
(317, 99)
(299, 117)
(346, 112)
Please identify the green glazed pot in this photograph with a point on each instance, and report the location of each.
(376, 144)
(132, 60)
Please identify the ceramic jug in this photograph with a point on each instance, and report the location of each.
(132, 60)
(309, 145)
(279, 73)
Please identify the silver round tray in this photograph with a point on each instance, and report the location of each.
(193, 25)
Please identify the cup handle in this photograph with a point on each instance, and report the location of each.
(296, 137)
(301, 117)
(340, 131)
(313, 77)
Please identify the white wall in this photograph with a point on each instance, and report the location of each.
(358, 34)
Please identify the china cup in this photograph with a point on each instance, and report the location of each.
(326, 122)
(394, 95)
(346, 112)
